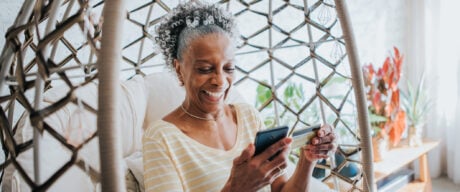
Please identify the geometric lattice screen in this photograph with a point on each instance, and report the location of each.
(292, 65)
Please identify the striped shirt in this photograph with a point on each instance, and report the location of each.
(175, 162)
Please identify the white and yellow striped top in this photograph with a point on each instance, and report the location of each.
(175, 162)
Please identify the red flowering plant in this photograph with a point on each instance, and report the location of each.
(386, 115)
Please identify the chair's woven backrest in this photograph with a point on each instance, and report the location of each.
(293, 63)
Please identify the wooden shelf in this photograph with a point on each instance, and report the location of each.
(417, 186)
(397, 158)
(401, 156)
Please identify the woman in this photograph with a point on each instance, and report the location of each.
(206, 144)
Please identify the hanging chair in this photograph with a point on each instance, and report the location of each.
(297, 63)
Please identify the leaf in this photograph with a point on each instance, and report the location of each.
(263, 94)
(398, 127)
(289, 91)
(260, 88)
(368, 74)
(395, 99)
(396, 50)
(376, 101)
(386, 66)
(299, 91)
(405, 100)
(397, 61)
(269, 121)
(335, 80)
(268, 95)
(374, 118)
(419, 91)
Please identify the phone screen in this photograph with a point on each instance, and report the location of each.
(268, 137)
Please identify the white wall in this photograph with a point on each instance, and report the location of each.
(378, 26)
(10, 9)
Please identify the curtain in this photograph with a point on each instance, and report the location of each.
(434, 50)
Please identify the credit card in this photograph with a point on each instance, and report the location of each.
(303, 136)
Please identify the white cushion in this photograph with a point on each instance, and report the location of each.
(78, 123)
(135, 164)
(163, 95)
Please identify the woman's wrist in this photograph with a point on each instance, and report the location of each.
(305, 163)
(302, 174)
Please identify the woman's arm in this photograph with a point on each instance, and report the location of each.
(299, 181)
(159, 171)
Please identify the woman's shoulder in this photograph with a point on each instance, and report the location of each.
(160, 128)
(245, 108)
(248, 114)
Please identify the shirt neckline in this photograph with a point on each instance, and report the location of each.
(230, 151)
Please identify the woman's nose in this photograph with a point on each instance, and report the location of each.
(219, 79)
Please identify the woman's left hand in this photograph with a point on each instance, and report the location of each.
(321, 145)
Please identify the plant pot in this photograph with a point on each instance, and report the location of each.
(379, 148)
(415, 135)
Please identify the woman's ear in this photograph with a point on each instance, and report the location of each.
(178, 72)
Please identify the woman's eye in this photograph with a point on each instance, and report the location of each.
(204, 70)
(230, 70)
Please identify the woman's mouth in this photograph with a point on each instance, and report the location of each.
(214, 96)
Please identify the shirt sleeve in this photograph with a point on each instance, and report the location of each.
(258, 120)
(159, 171)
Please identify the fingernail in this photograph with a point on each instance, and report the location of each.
(315, 141)
(321, 133)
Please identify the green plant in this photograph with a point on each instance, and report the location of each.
(416, 103)
(375, 121)
(264, 95)
(293, 97)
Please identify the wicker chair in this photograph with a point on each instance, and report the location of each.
(308, 44)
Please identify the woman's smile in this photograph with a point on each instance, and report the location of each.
(214, 96)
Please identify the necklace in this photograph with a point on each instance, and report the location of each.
(197, 117)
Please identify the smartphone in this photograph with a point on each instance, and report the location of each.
(268, 137)
(303, 136)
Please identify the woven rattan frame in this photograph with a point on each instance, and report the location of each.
(41, 49)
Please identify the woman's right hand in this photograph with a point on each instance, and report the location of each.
(253, 173)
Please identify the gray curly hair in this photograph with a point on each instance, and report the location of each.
(188, 21)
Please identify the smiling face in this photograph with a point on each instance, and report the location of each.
(206, 69)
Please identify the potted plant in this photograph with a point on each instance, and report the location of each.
(386, 115)
(416, 104)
